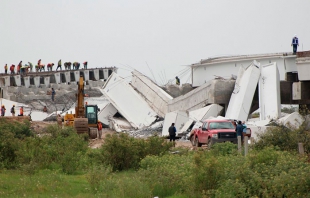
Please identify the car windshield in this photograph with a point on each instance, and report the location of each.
(221, 125)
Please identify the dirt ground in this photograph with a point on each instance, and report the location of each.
(38, 127)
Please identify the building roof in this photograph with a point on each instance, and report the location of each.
(237, 58)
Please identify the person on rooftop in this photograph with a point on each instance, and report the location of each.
(295, 43)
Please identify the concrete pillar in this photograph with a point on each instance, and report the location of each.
(67, 76)
(246, 145)
(36, 80)
(47, 81)
(86, 75)
(239, 143)
(7, 81)
(77, 76)
(27, 81)
(57, 77)
(105, 74)
(18, 80)
(96, 74)
(301, 148)
(2, 82)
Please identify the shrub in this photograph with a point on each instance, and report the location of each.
(62, 149)
(11, 134)
(284, 138)
(123, 152)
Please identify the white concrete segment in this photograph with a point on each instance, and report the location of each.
(293, 120)
(179, 118)
(6, 80)
(225, 66)
(17, 80)
(155, 96)
(242, 96)
(27, 81)
(57, 77)
(106, 113)
(105, 73)
(36, 80)
(269, 92)
(67, 76)
(206, 112)
(303, 68)
(86, 75)
(296, 90)
(47, 81)
(96, 74)
(128, 102)
(76, 76)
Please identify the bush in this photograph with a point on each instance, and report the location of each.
(59, 149)
(122, 152)
(284, 138)
(11, 135)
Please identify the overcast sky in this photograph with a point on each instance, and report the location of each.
(156, 37)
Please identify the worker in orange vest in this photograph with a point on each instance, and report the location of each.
(21, 111)
(50, 66)
(18, 67)
(3, 110)
(12, 68)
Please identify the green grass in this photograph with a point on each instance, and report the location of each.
(43, 184)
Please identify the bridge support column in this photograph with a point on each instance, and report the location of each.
(105, 74)
(47, 81)
(17, 80)
(36, 80)
(27, 81)
(86, 75)
(76, 76)
(68, 77)
(57, 77)
(96, 74)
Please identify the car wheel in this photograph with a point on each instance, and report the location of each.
(197, 142)
(193, 140)
(209, 143)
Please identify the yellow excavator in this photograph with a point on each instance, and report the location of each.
(85, 119)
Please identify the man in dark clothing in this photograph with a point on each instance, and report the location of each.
(53, 94)
(177, 80)
(239, 130)
(172, 132)
(295, 44)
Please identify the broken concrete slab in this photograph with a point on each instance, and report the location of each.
(128, 102)
(242, 96)
(106, 113)
(212, 92)
(269, 92)
(120, 124)
(179, 118)
(155, 96)
(293, 120)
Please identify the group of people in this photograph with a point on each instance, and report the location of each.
(21, 110)
(28, 67)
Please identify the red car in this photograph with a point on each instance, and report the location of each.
(214, 131)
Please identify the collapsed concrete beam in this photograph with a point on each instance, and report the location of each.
(242, 96)
(269, 92)
(202, 114)
(106, 113)
(293, 120)
(155, 96)
(128, 102)
(212, 92)
(179, 118)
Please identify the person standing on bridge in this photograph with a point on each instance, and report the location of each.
(59, 65)
(295, 44)
(19, 66)
(50, 66)
(31, 66)
(12, 68)
(6, 68)
(85, 65)
(13, 110)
